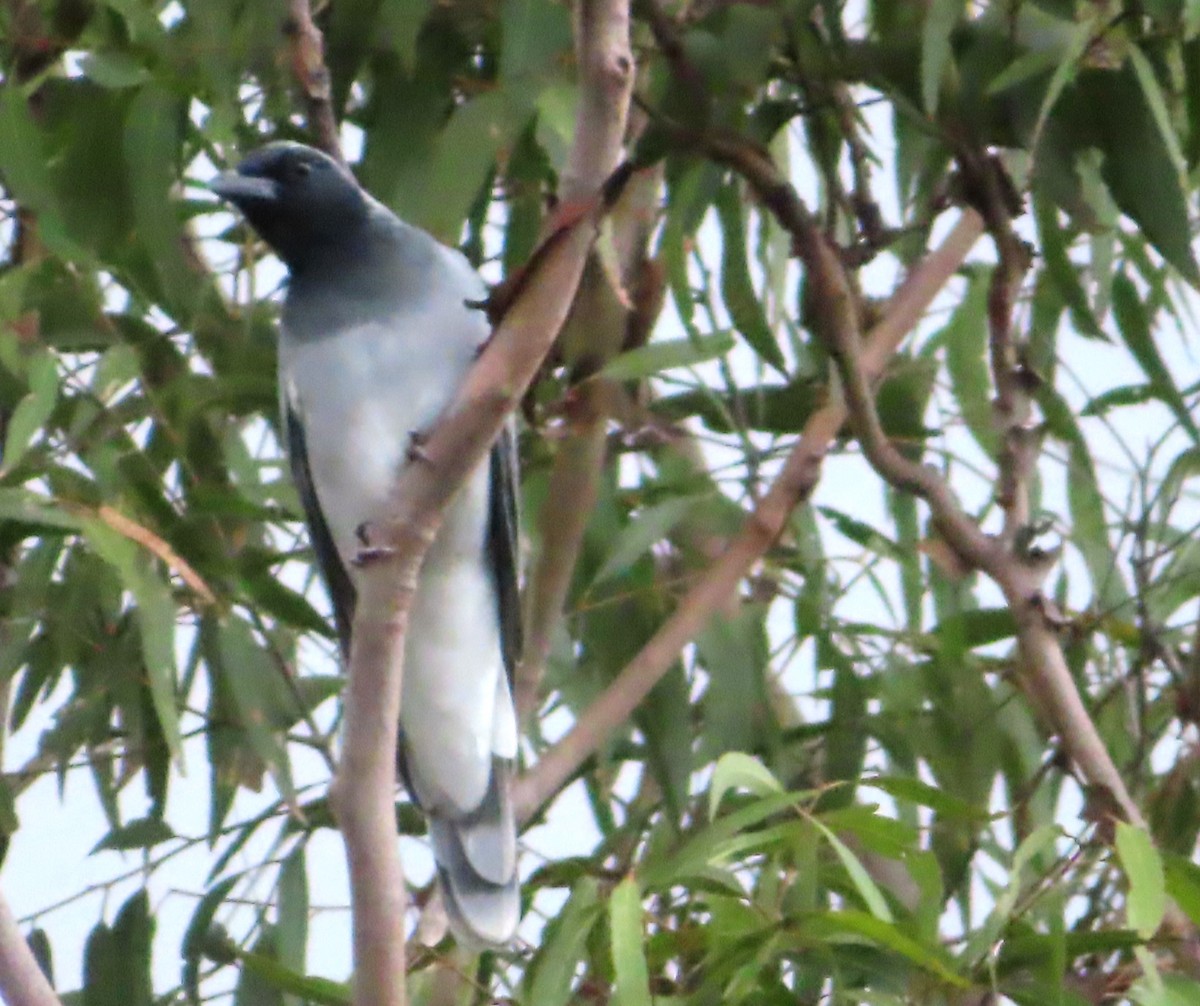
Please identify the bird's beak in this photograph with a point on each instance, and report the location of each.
(239, 188)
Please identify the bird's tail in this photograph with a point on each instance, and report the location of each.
(476, 857)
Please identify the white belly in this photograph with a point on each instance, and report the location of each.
(360, 397)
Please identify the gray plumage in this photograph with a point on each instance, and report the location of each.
(375, 337)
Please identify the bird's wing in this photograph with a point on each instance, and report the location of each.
(503, 542)
(337, 580)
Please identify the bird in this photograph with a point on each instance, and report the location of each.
(379, 325)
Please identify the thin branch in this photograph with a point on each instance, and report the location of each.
(457, 444)
(791, 487)
(1043, 659)
(306, 49)
(22, 982)
(602, 50)
(1014, 383)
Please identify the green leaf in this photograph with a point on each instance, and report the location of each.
(1147, 901)
(888, 936)
(941, 18)
(1062, 271)
(1182, 878)
(155, 612)
(116, 964)
(549, 977)
(738, 715)
(292, 916)
(151, 145)
(966, 340)
(32, 411)
(1135, 328)
(1089, 527)
(678, 864)
(1139, 168)
(24, 166)
(736, 770)
(632, 985)
(668, 354)
(1153, 95)
(737, 289)
(247, 672)
(39, 946)
(113, 68)
(197, 933)
(646, 528)
(263, 977)
(1066, 71)
(143, 833)
(916, 792)
(8, 811)
(868, 890)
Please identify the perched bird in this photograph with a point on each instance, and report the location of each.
(376, 335)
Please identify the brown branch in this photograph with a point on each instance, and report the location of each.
(606, 73)
(22, 982)
(1014, 383)
(1040, 649)
(791, 487)
(458, 443)
(363, 789)
(156, 545)
(306, 51)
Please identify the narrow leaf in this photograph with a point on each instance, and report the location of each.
(632, 985)
(646, 361)
(736, 770)
(941, 18)
(1147, 901)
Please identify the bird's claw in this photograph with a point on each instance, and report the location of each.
(372, 554)
(417, 439)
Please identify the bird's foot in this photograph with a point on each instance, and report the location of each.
(417, 439)
(372, 554)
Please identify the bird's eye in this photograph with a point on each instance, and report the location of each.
(301, 169)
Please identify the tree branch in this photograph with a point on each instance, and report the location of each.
(1020, 581)
(364, 788)
(791, 487)
(22, 982)
(602, 50)
(306, 49)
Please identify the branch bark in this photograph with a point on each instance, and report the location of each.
(791, 487)
(306, 49)
(602, 50)
(22, 982)
(1020, 582)
(364, 788)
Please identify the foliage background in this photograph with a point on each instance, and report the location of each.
(936, 845)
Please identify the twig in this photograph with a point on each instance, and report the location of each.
(1043, 659)
(363, 789)
(791, 487)
(306, 47)
(1011, 378)
(21, 980)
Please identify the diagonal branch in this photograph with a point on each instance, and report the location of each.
(605, 66)
(1039, 645)
(792, 486)
(22, 982)
(363, 791)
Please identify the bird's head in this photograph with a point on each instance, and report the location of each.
(301, 201)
